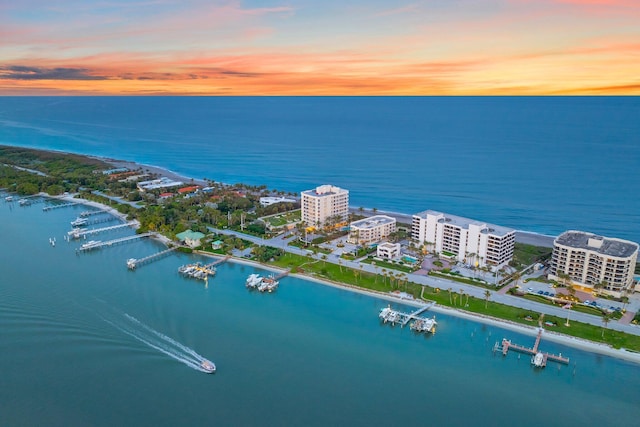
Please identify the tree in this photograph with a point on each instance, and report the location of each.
(606, 318)
(450, 302)
(487, 295)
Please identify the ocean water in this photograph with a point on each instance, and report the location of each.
(541, 164)
(84, 341)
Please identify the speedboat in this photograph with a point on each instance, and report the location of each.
(208, 366)
(253, 281)
(538, 360)
(79, 222)
(90, 244)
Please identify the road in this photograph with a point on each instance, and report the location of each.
(444, 284)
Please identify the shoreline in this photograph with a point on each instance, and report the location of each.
(569, 341)
(522, 236)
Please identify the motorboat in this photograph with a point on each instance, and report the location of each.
(253, 281)
(208, 366)
(538, 360)
(89, 244)
(79, 222)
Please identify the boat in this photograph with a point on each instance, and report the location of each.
(268, 284)
(253, 281)
(208, 366)
(79, 222)
(538, 360)
(23, 202)
(8, 199)
(89, 244)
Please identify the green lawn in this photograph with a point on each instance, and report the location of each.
(454, 299)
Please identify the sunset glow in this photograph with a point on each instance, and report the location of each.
(305, 47)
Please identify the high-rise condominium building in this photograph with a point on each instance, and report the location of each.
(591, 261)
(324, 203)
(474, 242)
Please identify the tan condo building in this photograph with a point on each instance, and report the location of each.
(592, 261)
(371, 230)
(474, 242)
(324, 203)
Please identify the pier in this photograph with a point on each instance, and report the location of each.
(217, 262)
(415, 314)
(64, 205)
(420, 324)
(281, 275)
(97, 245)
(90, 213)
(133, 263)
(539, 358)
(76, 233)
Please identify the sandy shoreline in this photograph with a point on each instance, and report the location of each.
(523, 329)
(569, 341)
(527, 237)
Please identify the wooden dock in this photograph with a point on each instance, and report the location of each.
(415, 314)
(507, 345)
(64, 205)
(133, 263)
(281, 275)
(76, 233)
(98, 245)
(217, 262)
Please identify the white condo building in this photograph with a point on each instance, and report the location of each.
(593, 261)
(371, 230)
(323, 202)
(461, 237)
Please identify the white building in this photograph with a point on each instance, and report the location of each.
(593, 261)
(466, 240)
(155, 184)
(388, 250)
(267, 201)
(371, 230)
(324, 202)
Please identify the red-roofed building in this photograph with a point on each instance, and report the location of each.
(191, 189)
(165, 195)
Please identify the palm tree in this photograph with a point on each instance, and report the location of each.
(606, 317)
(487, 295)
(340, 264)
(450, 302)
(455, 298)
(461, 295)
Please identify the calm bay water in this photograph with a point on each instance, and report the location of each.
(306, 355)
(542, 164)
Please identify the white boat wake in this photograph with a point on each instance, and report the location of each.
(159, 341)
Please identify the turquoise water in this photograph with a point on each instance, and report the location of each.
(306, 355)
(542, 164)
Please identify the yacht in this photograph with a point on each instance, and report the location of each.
(208, 366)
(89, 244)
(79, 222)
(538, 360)
(253, 281)
(8, 199)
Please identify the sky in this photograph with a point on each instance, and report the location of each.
(319, 47)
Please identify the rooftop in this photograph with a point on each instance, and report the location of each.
(189, 234)
(593, 242)
(373, 221)
(462, 222)
(325, 190)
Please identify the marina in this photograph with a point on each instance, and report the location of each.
(84, 221)
(420, 324)
(197, 271)
(538, 358)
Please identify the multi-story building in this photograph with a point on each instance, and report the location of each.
(591, 261)
(388, 250)
(371, 230)
(466, 240)
(324, 203)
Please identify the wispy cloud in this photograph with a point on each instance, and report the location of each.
(21, 72)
